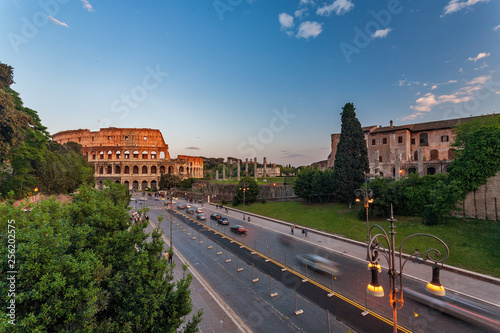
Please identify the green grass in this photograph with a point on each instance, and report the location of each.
(473, 244)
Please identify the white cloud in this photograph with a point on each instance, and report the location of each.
(300, 12)
(87, 6)
(496, 28)
(434, 87)
(306, 2)
(457, 5)
(479, 56)
(286, 20)
(309, 29)
(382, 33)
(452, 81)
(339, 6)
(58, 22)
(464, 94)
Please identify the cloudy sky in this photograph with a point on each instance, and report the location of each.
(248, 78)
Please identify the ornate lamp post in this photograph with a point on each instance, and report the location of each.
(36, 192)
(244, 189)
(395, 276)
(367, 195)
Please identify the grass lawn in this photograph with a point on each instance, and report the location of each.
(473, 244)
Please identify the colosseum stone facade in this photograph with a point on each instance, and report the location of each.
(135, 157)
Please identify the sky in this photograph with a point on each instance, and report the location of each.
(251, 78)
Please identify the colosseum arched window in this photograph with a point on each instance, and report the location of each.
(135, 185)
(144, 185)
(144, 170)
(136, 154)
(162, 169)
(170, 169)
(153, 184)
(153, 169)
(153, 155)
(118, 169)
(127, 154)
(109, 170)
(110, 155)
(101, 155)
(162, 155)
(101, 170)
(144, 155)
(118, 154)
(126, 170)
(181, 169)
(135, 170)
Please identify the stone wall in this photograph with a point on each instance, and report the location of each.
(484, 203)
(218, 192)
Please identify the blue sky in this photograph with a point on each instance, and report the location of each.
(254, 78)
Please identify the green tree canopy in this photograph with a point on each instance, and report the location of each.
(83, 268)
(351, 159)
(251, 189)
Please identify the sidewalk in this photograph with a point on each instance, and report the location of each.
(470, 284)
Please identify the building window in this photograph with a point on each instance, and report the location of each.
(424, 140)
(445, 138)
(127, 154)
(373, 142)
(153, 155)
(144, 169)
(109, 138)
(110, 155)
(126, 137)
(380, 159)
(93, 156)
(144, 155)
(101, 155)
(400, 139)
(413, 141)
(136, 154)
(118, 155)
(92, 138)
(384, 141)
(145, 138)
(434, 154)
(135, 170)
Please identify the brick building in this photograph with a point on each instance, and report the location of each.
(135, 157)
(395, 151)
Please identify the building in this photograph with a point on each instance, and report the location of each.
(135, 157)
(271, 171)
(395, 151)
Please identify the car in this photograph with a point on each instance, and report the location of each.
(181, 206)
(201, 216)
(318, 263)
(188, 206)
(239, 229)
(198, 209)
(190, 211)
(215, 216)
(223, 220)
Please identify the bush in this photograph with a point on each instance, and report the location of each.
(223, 201)
(263, 200)
(430, 217)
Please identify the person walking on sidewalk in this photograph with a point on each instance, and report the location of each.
(166, 256)
(170, 256)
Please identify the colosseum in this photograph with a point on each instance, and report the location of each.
(135, 157)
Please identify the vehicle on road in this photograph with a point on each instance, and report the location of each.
(223, 220)
(318, 263)
(190, 211)
(201, 216)
(181, 206)
(239, 229)
(215, 216)
(198, 209)
(188, 206)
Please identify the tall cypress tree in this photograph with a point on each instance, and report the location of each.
(351, 159)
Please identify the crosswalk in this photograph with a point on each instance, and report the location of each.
(155, 207)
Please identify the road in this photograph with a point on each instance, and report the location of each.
(349, 285)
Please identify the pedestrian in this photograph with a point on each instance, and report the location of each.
(305, 232)
(170, 256)
(166, 256)
(293, 227)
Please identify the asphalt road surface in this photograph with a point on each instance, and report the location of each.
(265, 254)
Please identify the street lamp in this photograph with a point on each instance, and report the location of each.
(202, 186)
(389, 253)
(367, 195)
(36, 192)
(244, 189)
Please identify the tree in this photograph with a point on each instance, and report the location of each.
(84, 268)
(168, 181)
(251, 191)
(351, 159)
(303, 184)
(478, 156)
